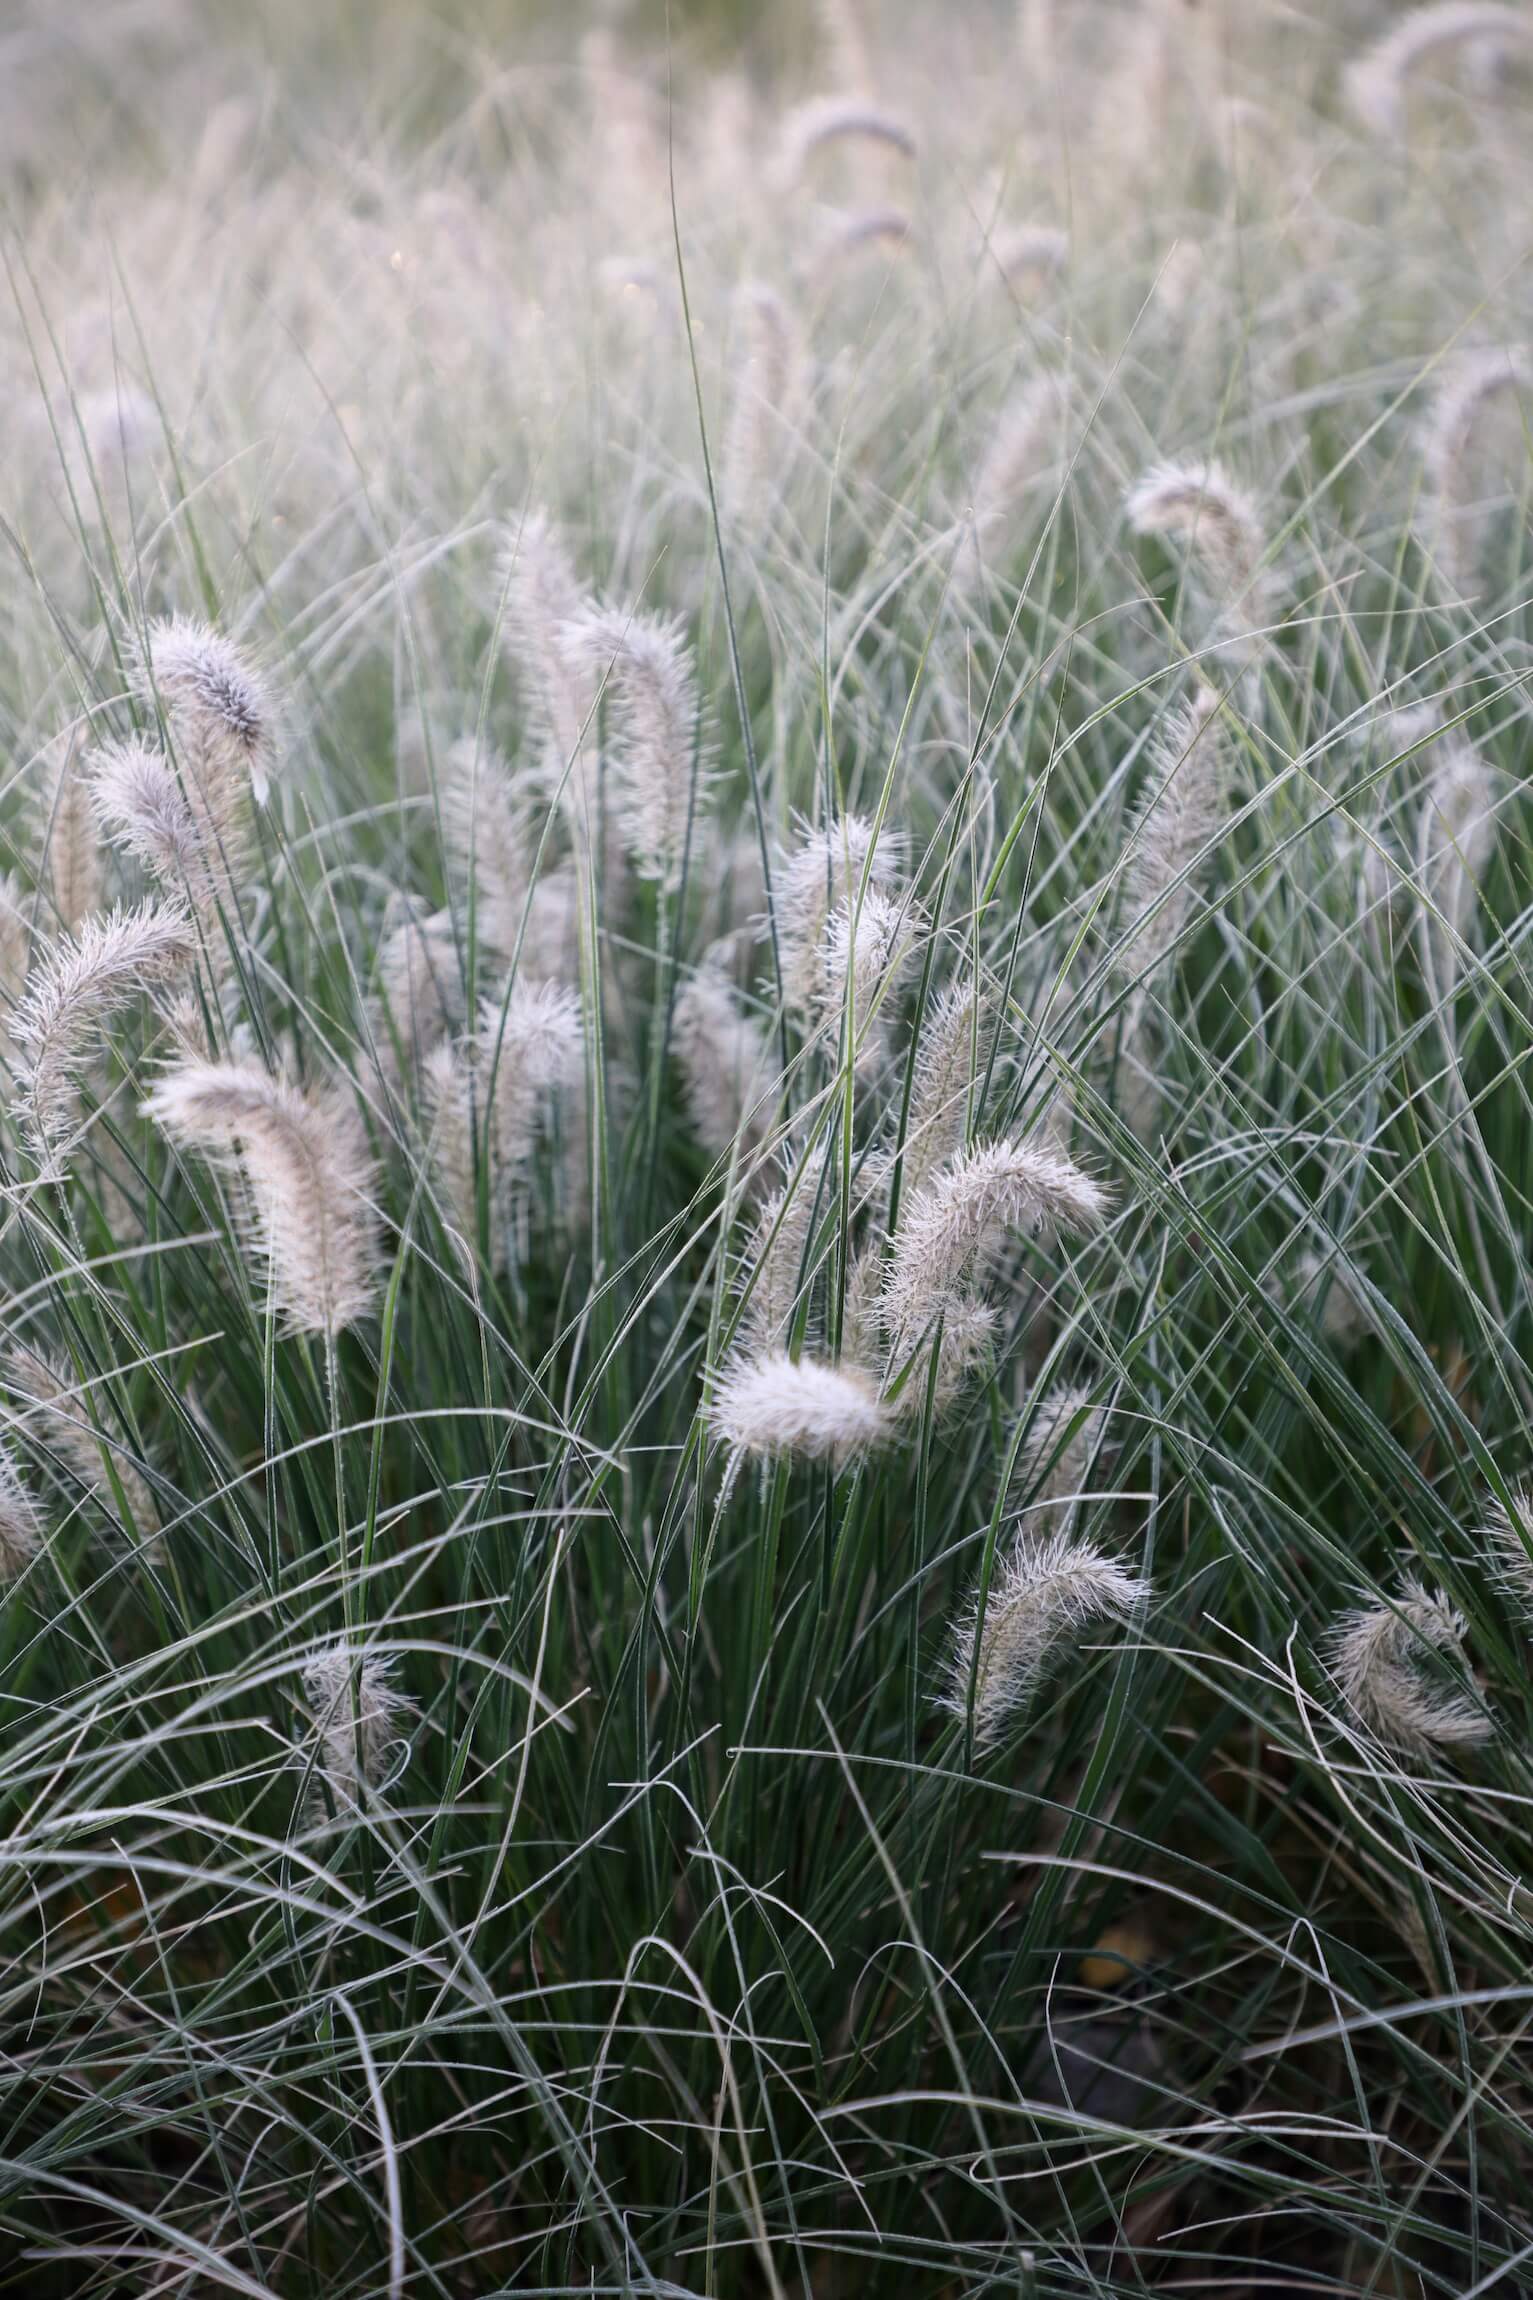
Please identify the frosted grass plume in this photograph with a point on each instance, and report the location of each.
(304, 1157)
(70, 852)
(725, 1066)
(1047, 1590)
(1380, 1657)
(1063, 1439)
(1456, 439)
(1030, 255)
(488, 828)
(943, 1085)
(359, 1716)
(546, 606)
(820, 123)
(771, 1406)
(825, 874)
(420, 993)
(21, 1523)
(1170, 835)
(1507, 1538)
(865, 951)
(1377, 83)
(219, 712)
(649, 692)
(57, 1411)
(954, 1228)
(491, 1096)
(765, 403)
(1199, 504)
(140, 804)
(81, 985)
(1023, 450)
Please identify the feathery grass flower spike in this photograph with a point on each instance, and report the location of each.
(79, 988)
(305, 1160)
(360, 1716)
(775, 1405)
(21, 1524)
(954, 1227)
(57, 1412)
(1382, 1657)
(1046, 1591)
(219, 712)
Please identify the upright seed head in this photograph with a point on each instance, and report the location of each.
(71, 856)
(420, 992)
(1459, 441)
(1377, 82)
(489, 835)
(139, 802)
(83, 982)
(1173, 828)
(824, 875)
(774, 1405)
(649, 688)
(304, 1157)
(1199, 504)
(1048, 1588)
(1062, 1441)
(21, 1525)
(359, 1716)
(57, 1410)
(545, 609)
(1380, 1657)
(953, 1229)
(1508, 1538)
(942, 1087)
(765, 402)
(219, 712)
(725, 1067)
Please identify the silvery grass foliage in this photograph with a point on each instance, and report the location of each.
(764, 962)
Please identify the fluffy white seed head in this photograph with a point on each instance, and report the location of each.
(1381, 1657)
(141, 805)
(219, 712)
(1377, 82)
(1024, 449)
(1200, 505)
(1047, 1590)
(1508, 1539)
(824, 874)
(1464, 438)
(775, 1405)
(943, 1086)
(51, 1403)
(491, 1096)
(489, 833)
(83, 983)
(864, 952)
(823, 122)
(70, 854)
(775, 1260)
(1173, 827)
(725, 1066)
(954, 1228)
(359, 1716)
(1061, 1444)
(21, 1524)
(644, 668)
(304, 1157)
(545, 608)
(765, 404)
(420, 992)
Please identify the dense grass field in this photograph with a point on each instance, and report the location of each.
(765, 991)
